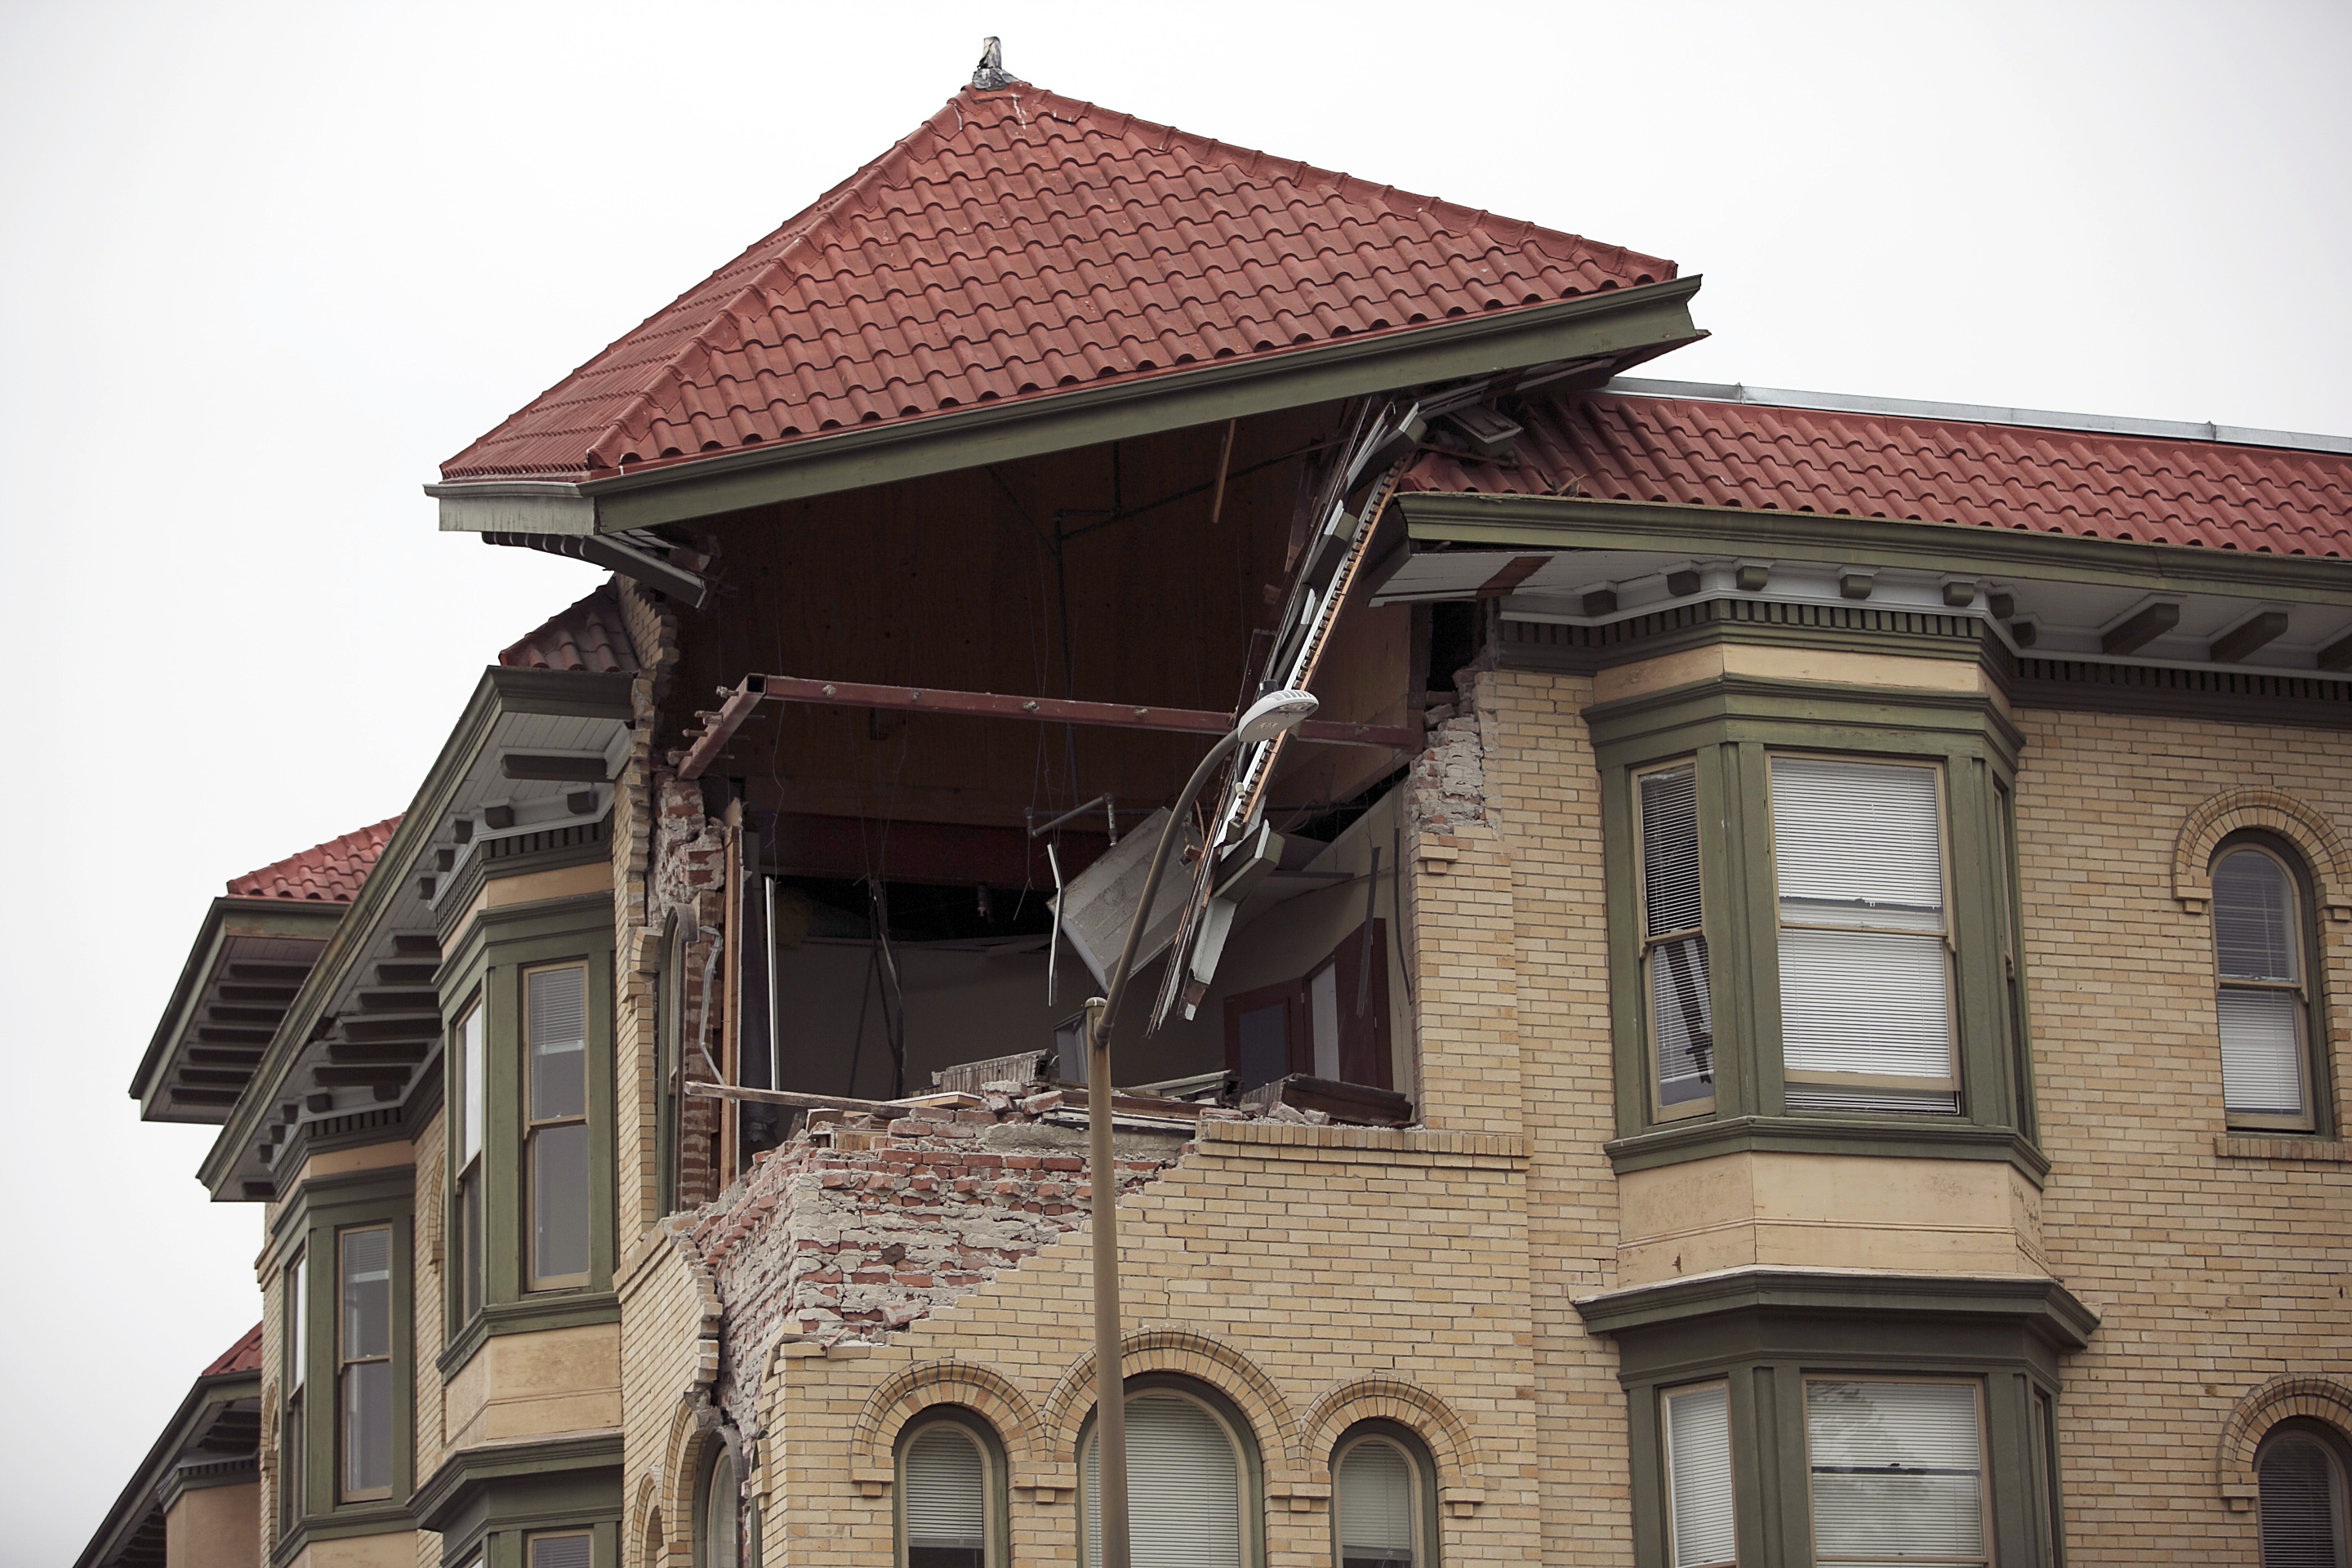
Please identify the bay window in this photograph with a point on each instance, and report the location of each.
(1812, 941)
(1897, 1471)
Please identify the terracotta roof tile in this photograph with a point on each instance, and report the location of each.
(243, 1356)
(1695, 452)
(330, 872)
(1016, 245)
(591, 636)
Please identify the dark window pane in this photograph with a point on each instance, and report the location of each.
(559, 1201)
(367, 1426)
(1265, 1044)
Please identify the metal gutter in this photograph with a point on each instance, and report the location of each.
(1624, 325)
(1570, 523)
(1977, 414)
(500, 691)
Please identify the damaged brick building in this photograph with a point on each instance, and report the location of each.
(1790, 1005)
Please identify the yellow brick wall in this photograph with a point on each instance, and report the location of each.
(669, 1361)
(1279, 1263)
(2212, 1275)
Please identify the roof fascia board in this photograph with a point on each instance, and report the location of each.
(1637, 324)
(211, 1388)
(1565, 522)
(276, 917)
(1977, 414)
(500, 692)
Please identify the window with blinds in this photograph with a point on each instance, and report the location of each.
(1865, 957)
(1897, 1472)
(1677, 1010)
(1373, 1493)
(943, 1499)
(363, 1363)
(2302, 1503)
(1697, 1423)
(2258, 1000)
(569, 1549)
(1183, 1486)
(555, 1154)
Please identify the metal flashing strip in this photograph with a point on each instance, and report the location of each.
(1977, 414)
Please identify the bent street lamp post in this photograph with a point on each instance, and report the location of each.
(1269, 716)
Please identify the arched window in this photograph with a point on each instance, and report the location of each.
(1192, 1484)
(1383, 1499)
(716, 1539)
(2303, 1499)
(2263, 989)
(950, 1492)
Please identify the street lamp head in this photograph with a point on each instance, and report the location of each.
(1274, 714)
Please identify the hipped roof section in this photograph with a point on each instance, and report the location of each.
(1017, 245)
(1697, 452)
(328, 873)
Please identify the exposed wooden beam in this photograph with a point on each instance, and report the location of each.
(553, 769)
(1517, 571)
(2247, 636)
(2142, 629)
(343, 1077)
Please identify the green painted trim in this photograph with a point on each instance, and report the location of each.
(1630, 325)
(488, 961)
(1763, 1331)
(353, 1129)
(157, 1469)
(1729, 726)
(274, 916)
(484, 866)
(310, 1219)
(2046, 1305)
(531, 1315)
(1906, 634)
(500, 692)
(1557, 523)
(540, 1483)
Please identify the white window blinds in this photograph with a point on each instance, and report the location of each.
(946, 1502)
(1866, 972)
(1183, 1488)
(1674, 952)
(2302, 1504)
(1375, 1498)
(1897, 1471)
(1698, 1476)
(2259, 1002)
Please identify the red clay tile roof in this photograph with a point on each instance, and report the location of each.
(590, 635)
(1698, 453)
(243, 1356)
(330, 872)
(1016, 245)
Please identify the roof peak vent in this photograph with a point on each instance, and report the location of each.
(990, 74)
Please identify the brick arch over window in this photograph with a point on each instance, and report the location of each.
(693, 1430)
(873, 1439)
(1189, 1354)
(1460, 1466)
(2309, 830)
(2326, 1399)
(644, 1542)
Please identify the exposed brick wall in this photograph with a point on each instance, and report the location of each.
(864, 1230)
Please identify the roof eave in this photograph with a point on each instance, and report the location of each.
(174, 1025)
(210, 1388)
(1627, 326)
(1585, 523)
(578, 693)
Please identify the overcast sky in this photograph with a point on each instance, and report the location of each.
(264, 265)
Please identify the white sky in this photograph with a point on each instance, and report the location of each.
(264, 265)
